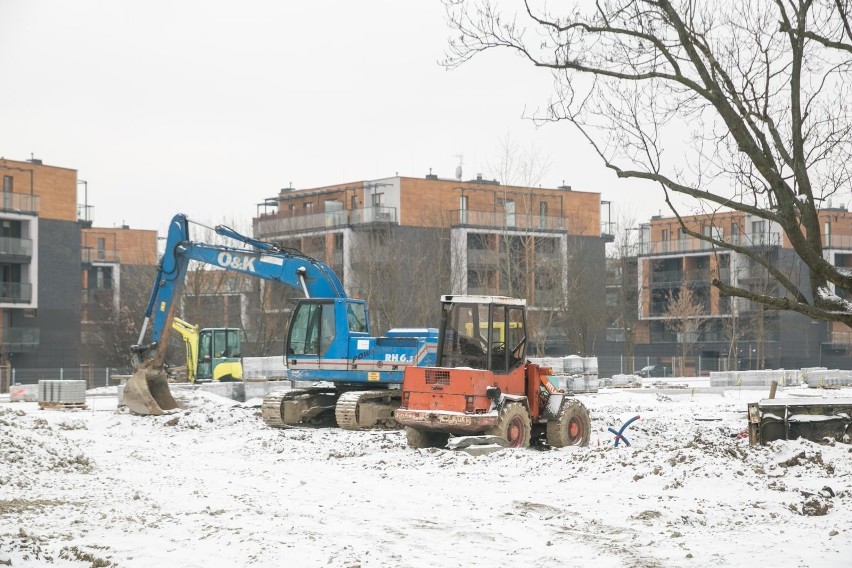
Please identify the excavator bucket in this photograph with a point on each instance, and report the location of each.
(147, 392)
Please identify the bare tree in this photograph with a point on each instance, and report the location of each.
(685, 314)
(111, 326)
(732, 105)
(386, 262)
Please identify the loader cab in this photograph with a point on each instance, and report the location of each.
(482, 332)
(219, 352)
(321, 328)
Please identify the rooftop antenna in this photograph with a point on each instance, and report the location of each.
(459, 167)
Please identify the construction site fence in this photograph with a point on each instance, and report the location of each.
(701, 366)
(94, 376)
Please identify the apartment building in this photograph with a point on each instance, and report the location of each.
(402, 242)
(729, 333)
(118, 271)
(40, 264)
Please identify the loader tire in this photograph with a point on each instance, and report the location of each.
(513, 425)
(572, 427)
(423, 439)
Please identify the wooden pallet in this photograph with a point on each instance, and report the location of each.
(62, 405)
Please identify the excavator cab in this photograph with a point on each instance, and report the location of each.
(314, 326)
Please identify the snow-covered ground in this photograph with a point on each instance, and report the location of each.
(212, 486)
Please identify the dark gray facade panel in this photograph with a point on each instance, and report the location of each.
(59, 289)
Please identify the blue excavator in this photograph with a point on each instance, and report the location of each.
(353, 374)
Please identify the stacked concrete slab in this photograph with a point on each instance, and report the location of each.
(762, 378)
(66, 392)
(572, 373)
(622, 381)
(827, 377)
(264, 368)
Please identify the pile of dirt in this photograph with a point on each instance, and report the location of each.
(29, 445)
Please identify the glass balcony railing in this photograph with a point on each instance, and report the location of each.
(16, 247)
(504, 220)
(19, 202)
(696, 245)
(17, 337)
(267, 227)
(91, 255)
(482, 256)
(16, 292)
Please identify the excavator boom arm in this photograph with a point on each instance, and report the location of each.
(147, 392)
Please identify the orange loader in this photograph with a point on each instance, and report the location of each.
(482, 383)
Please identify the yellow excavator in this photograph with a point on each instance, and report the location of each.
(212, 354)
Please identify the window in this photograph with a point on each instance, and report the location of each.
(327, 330)
(508, 207)
(356, 316)
(101, 249)
(545, 246)
(542, 213)
(378, 199)
(7, 184)
(827, 235)
(758, 232)
(478, 241)
(334, 212)
(9, 228)
(100, 278)
(304, 333)
(332, 205)
(463, 209)
(308, 206)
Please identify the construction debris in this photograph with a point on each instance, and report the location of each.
(789, 419)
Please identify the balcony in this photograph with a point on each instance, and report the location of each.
(91, 255)
(10, 246)
(272, 226)
(503, 220)
(696, 245)
(19, 338)
(19, 202)
(16, 292)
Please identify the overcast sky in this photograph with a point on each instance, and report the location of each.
(209, 107)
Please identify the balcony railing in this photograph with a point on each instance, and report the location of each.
(841, 338)
(666, 276)
(12, 338)
(837, 242)
(697, 245)
(296, 223)
(503, 220)
(16, 292)
(16, 247)
(482, 257)
(659, 309)
(19, 202)
(91, 255)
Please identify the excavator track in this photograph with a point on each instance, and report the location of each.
(366, 409)
(281, 409)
